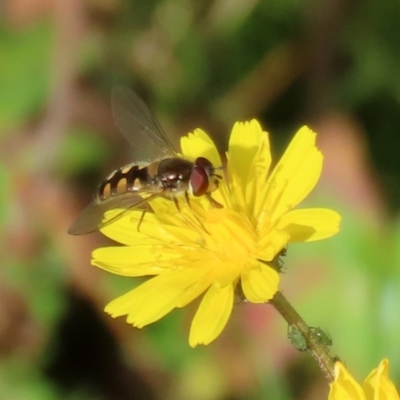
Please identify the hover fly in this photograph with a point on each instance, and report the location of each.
(157, 172)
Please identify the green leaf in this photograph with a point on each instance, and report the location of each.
(25, 59)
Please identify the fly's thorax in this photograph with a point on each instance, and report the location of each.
(174, 173)
(130, 178)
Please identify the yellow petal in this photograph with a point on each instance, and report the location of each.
(139, 260)
(295, 175)
(260, 284)
(257, 177)
(344, 386)
(245, 159)
(378, 386)
(271, 244)
(124, 230)
(199, 144)
(153, 299)
(212, 315)
(170, 228)
(310, 224)
(192, 293)
(234, 196)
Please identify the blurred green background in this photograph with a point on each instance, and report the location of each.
(331, 64)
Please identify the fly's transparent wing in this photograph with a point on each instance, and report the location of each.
(139, 126)
(92, 217)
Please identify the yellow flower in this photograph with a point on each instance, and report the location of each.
(377, 386)
(199, 250)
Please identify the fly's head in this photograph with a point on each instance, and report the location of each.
(203, 179)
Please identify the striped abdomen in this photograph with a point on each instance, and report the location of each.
(130, 178)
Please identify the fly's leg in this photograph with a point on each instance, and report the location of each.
(187, 199)
(141, 219)
(145, 210)
(213, 202)
(176, 202)
(196, 223)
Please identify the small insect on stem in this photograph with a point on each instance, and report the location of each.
(296, 338)
(299, 341)
(323, 337)
(277, 262)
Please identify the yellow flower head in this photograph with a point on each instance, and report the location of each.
(199, 250)
(377, 386)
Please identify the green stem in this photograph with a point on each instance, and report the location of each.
(318, 351)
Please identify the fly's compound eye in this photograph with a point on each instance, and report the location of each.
(198, 181)
(200, 177)
(204, 163)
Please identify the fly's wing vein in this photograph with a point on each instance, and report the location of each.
(139, 126)
(93, 218)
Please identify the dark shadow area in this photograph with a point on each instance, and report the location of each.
(86, 359)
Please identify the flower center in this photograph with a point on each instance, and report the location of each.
(230, 235)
